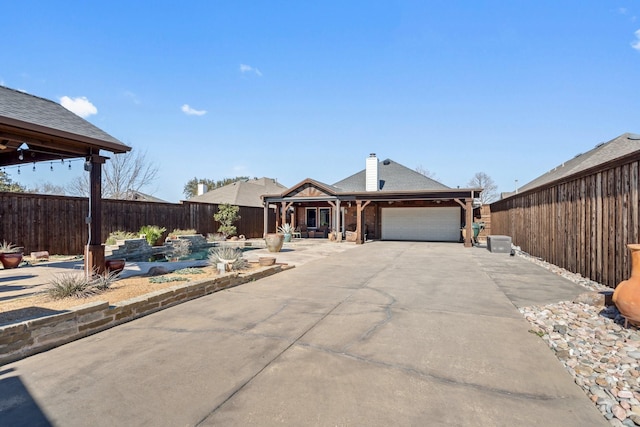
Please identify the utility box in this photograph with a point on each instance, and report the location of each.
(499, 244)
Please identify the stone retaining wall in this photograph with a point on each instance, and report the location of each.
(26, 338)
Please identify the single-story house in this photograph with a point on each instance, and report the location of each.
(241, 193)
(386, 201)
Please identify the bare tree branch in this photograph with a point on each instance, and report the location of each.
(484, 181)
(122, 175)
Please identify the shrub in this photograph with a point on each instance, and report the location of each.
(180, 248)
(152, 233)
(215, 237)
(165, 279)
(77, 285)
(180, 232)
(227, 214)
(114, 236)
(227, 255)
(189, 270)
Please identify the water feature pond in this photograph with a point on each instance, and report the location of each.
(199, 255)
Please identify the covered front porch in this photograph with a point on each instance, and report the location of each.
(317, 210)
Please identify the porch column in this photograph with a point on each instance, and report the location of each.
(359, 209)
(265, 220)
(337, 221)
(94, 252)
(469, 222)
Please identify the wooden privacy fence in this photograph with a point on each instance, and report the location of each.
(57, 224)
(581, 223)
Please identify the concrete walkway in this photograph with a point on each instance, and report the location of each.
(382, 334)
(29, 280)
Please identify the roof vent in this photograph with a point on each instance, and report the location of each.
(599, 145)
(634, 137)
(386, 162)
(371, 171)
(577, 155)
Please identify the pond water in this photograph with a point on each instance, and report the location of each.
(168, 257)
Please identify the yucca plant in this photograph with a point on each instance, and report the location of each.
(228, 256)
(65, 285)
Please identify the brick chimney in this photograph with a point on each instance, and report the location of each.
(372, 180)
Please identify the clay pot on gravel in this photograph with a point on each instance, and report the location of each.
(11, 259)
(627, 294)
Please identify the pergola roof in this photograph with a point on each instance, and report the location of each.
(50, 131)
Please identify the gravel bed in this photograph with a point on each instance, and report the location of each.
(594, 346)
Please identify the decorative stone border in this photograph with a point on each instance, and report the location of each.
(29, 337)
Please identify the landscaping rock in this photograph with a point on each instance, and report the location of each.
(158, 271)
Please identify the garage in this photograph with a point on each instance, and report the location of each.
(440, 224)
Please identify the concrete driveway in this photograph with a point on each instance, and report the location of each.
(387, 333)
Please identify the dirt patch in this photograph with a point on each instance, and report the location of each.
(25, 308)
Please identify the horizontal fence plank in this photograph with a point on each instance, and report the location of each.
(57, 224)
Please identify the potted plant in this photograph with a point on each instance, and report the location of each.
(274, 241)
(10, 254)
(287, 230)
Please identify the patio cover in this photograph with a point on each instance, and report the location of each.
(34, 129)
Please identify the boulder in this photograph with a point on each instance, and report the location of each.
(158, 271)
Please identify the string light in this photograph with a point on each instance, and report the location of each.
(69, 165)
(18, 170)
(34, 167)
(51, 167)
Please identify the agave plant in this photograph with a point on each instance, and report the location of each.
(9, 248)
(228, 256)
(286, 228)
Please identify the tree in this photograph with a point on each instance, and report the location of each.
(426, 172)
(191, 187)
(7, 184)
(227, 214)
(48, 188)
(484, 181)
(122, 175)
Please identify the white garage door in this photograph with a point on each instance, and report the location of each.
(426, 224)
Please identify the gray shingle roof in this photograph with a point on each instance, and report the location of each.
(619, 147)
(43, 112)
(392, 177)
(241, 193)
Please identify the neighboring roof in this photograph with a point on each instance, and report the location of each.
(142, 197)
(242, 193)
(392, 177)
(50, 130)
(621, 146)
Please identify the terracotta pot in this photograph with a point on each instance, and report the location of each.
(10, 259)
(266, 260)
(627, 294)
(114, 265)
(274, 241)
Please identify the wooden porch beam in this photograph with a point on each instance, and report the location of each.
(359, 209)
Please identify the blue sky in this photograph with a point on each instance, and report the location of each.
(297, 89)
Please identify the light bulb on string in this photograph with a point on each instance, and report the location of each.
(69, 165)
(51, 167)
(34, 167)
(18, 170)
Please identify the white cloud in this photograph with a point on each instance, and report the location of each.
(636, 44)
(191, 111)
(80, 106)
(244, 68)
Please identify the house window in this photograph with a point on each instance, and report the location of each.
(311, 218)
(325, 217)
